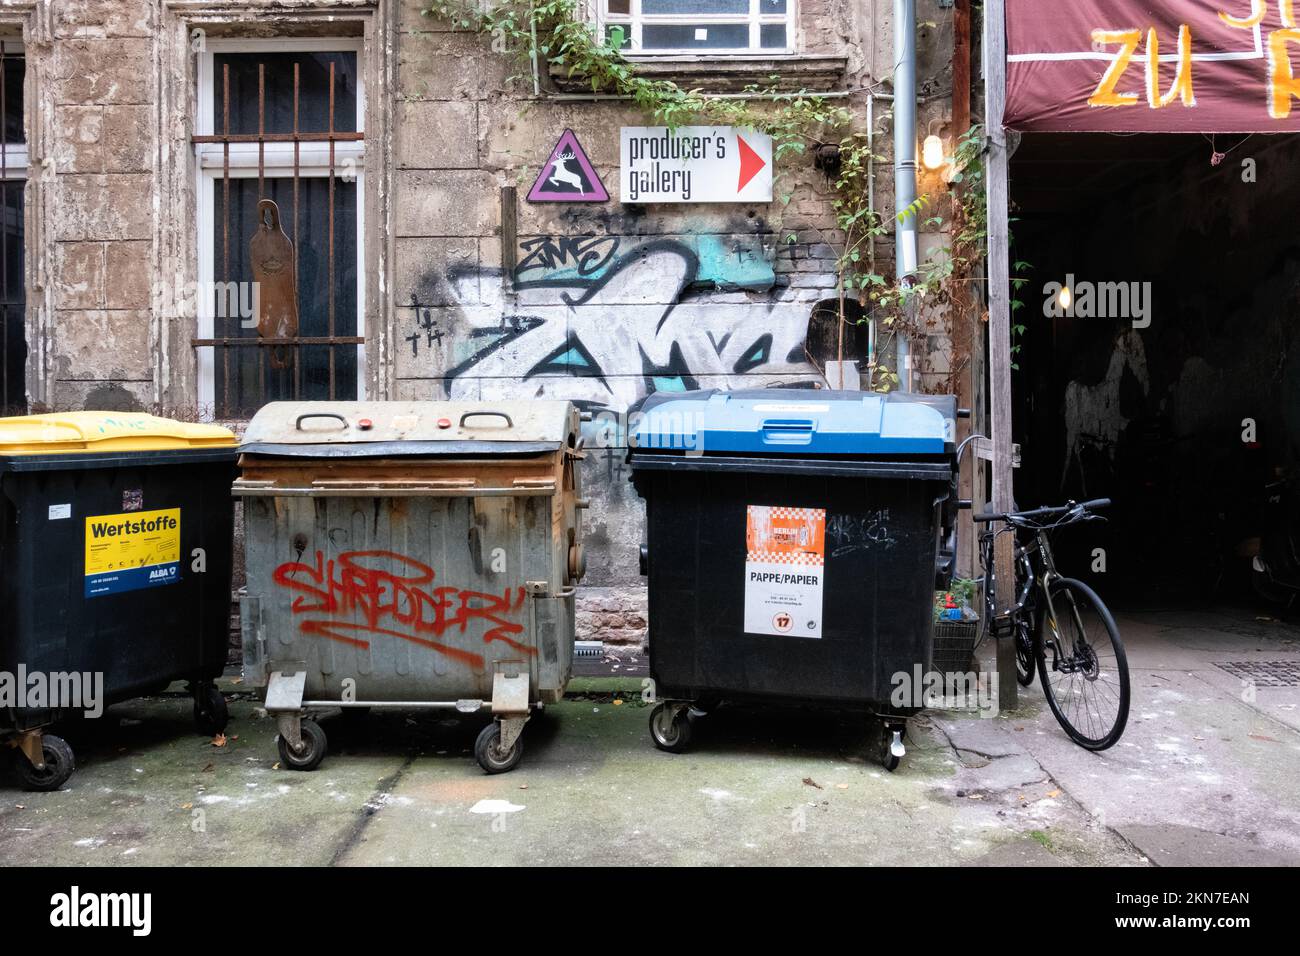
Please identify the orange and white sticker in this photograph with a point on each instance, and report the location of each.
(784, 570)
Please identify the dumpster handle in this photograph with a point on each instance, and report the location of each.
(468, 415)
(302, 418)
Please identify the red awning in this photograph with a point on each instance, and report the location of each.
(1220, 66)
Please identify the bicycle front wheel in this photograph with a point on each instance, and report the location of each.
(1082, 665)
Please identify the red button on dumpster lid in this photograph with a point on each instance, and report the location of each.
(444, 423)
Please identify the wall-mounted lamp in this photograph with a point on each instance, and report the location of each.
(932, 152)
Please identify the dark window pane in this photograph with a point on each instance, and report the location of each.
(250, 366)
(772, 35)
(693, 7)
(771, 7)
(715, 36)
(13, 344)
(15, 69)
(313, 91)
(619, 7)
(623, 29)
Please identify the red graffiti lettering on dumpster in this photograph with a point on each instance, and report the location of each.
(397, 603)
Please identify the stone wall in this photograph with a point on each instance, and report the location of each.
(605, 302)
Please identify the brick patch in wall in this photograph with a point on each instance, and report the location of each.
(615, 615)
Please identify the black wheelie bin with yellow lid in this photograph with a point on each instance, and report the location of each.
(116, 532)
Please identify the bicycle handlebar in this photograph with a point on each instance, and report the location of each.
(1095, 504)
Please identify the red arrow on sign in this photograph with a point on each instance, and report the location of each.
(750, 163)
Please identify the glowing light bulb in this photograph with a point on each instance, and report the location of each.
(932, 152)
(1064, 297)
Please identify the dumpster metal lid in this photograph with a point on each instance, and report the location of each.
(398, 428)
(105, 432)
(778, 421)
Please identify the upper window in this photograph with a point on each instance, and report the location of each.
(700, 26)
(13, 179)
(280, 144)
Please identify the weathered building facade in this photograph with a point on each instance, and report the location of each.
(399, 153)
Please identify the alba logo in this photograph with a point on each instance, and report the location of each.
(161, 573)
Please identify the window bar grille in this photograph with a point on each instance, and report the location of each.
(4, 231)
(261, 194)
(297, 246)
(331, 221)
(226, 336)
(225, 238)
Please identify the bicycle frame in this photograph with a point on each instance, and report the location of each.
(1038, 565)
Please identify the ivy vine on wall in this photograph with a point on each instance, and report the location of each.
(555, 35)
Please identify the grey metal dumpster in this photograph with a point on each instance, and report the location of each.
(410, 555)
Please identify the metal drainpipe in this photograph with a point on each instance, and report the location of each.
(904, 161)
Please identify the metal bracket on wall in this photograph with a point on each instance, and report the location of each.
(983, 448)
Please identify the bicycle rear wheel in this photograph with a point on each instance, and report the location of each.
(1082, 665)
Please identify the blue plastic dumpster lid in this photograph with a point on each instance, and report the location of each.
(788, 422)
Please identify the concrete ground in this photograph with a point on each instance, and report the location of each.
(1206, 773)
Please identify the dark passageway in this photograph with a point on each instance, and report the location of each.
(1175, 386)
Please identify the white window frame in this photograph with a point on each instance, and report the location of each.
(313, 161)
(634, 21)
(15, 154)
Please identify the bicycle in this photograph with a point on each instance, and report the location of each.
(1061, 627)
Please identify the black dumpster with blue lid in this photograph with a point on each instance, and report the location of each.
(792, 539)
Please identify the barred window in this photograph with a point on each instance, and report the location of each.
(280, 120)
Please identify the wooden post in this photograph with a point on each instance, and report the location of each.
(509, 240)
(960, 67)
(999, 345)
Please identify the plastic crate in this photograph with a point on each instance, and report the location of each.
(954, 645)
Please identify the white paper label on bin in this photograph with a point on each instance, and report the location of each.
(785, 570)
(60, 511)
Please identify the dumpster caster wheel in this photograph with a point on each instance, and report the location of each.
(488, 752)
(210, 711)
(59, 764)
(670, 728)
(313, 748)
(891, 749)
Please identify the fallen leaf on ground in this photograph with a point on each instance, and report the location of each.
(841, 786)
(1053, 793)
(187, 806)
(809, 781)
(276, 765)
(975, 796)
(208, 768)
(219, 740)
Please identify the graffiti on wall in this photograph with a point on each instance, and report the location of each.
(604, 320)
(364, 594)
(1094, 416)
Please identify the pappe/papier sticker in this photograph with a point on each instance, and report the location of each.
(127, 552)
(784, 570)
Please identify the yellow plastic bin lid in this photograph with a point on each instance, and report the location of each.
(105, 432)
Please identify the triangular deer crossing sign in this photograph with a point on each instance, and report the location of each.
(568, 175)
